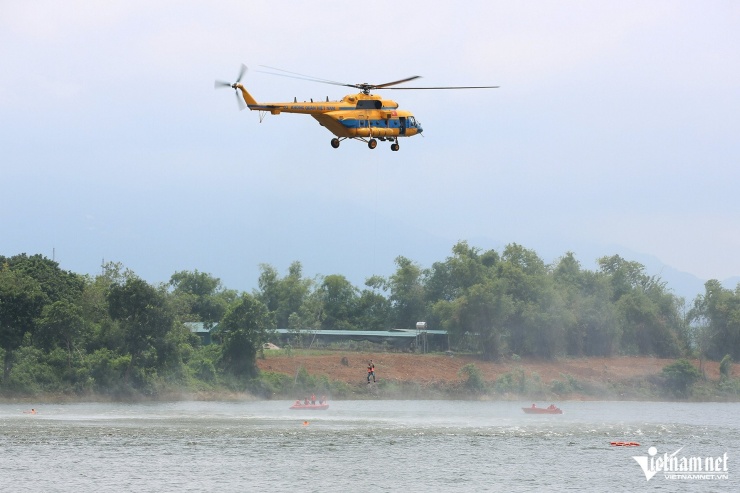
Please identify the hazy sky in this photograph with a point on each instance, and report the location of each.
(616, 128)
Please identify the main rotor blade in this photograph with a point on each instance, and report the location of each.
(296, 75)
(365, 87)
(443, 87)
(378, 86)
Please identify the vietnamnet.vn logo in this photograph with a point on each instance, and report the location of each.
(673, 466)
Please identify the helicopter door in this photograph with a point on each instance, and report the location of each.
(402, 123)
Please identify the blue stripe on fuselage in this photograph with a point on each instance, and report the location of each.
(392, 123)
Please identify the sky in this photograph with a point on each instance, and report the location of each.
(614, 131)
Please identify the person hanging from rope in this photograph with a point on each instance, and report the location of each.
(370, 371)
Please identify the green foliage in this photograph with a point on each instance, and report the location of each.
(725, 367)
(21, 302)
(200, 296)
(473, 378)
(567, 385)
(55, 283)
(203, 363)
(287, 296)
(117, 334)
(244, 329)
(142, 313)
(339, 301)
(303, 379)
(61, 325)
(406, 294)
(717, 318)
(730, 386)
(30, 373)
(680, 376)
(107, 370)
(514, 381)
(274, 383)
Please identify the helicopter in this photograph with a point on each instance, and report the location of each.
(362, 116)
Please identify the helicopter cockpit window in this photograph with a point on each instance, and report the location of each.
(369, 104)
(412, 121)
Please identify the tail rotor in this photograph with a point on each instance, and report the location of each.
(220, 84)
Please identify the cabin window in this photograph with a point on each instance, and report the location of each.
(369, 104)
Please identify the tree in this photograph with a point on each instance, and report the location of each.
(473, 378)
(244, 328)
(55, 283)
(465, 268)
(21, 301)
(597, 322)
(142, 312)
(624, 275)
(569, 281)
(648, 314)
(717, 314)
(407, 294)
(483, 311)
(525, 278)
(61, 324)
(200, 291)
(283, 297)
(373, 310)
(339, 298)
(680, 376)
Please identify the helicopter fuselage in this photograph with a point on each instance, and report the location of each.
(356, 116)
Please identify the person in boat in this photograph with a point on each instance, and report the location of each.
(551, 407)
(305, 401)
(322, 401)
(370, 371)
(313, 399)
(297, 402)
(534, 405)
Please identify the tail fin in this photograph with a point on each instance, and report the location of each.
(245, 94)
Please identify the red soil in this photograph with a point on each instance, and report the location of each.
(427, 369)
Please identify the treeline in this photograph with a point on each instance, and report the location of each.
(116, 333)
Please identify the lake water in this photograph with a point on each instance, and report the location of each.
(363, 446)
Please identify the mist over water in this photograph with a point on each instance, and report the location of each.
(358, 446)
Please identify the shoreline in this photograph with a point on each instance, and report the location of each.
(437, 376)
(47, 399)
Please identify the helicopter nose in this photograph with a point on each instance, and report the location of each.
(418, 128)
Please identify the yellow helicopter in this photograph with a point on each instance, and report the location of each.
(362, 116)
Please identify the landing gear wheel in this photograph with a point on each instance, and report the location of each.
(394, 147)
(372, 143)
(335, 143)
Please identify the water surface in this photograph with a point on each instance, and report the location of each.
(359, 446)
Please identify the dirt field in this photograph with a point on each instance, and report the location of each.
(435, 368)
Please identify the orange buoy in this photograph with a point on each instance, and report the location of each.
(305, 423)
